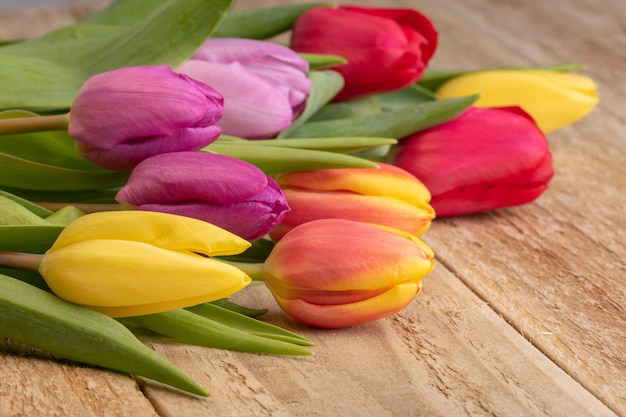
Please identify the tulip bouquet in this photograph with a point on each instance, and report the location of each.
(153, 167)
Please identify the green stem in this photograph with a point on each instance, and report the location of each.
(253, 270)
(18, 260)
(34, 124)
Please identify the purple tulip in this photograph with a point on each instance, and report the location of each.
(265, 85)
(225, 191)
(122, 117)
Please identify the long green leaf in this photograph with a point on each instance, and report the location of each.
(186, 326)
(42, 320)
(45, 74)
(275, 160)
(397, 123)
(28, 239)
(324, 86)
(262, 23)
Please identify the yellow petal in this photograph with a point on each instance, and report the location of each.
(168, 231)
(554, 99)
(136, 276)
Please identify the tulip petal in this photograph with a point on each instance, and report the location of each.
(388, 181)
(167, 231)
(370, 259)
(554, 99)
(344, 315)
(411, 217)
(136, 276)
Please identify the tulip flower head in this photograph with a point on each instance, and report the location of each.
(336, 273)
(554, 99)
(226, 191)
(264, 84)
(484, 159)
(388, 196)
(128, 263)
(122, 117)
(386, 49)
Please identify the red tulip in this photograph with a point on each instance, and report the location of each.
(336, 273)
(386, 49)
(486, 158)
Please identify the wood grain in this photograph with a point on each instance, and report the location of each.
(523, 315)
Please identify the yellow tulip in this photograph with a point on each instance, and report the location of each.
(133, 263)
(552, 98)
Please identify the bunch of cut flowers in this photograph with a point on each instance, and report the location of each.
(155, 160)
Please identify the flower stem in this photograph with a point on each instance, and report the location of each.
(253, 270)
(34, 124)
(18, 260)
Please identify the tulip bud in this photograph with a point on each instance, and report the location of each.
(336, 273)
(554, 99)
(132, 263)
(388, 196)
(226, 191)
(484, 159)
(122, 117)
(264, 84)
(386, 49)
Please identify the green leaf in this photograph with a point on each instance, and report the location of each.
(12, 213)
(32, 207)
(434, 78)
(397, 123)
(28, 239)
(413, 94)
(274, 160)
(42, 320)
(247, 324)
(324, 86)
(247, 311)
(341, 145)
(45, 73)
(36, 176)
(321, 61)
(211, 331)
(262, 23)
(350, 108)
(64, 216)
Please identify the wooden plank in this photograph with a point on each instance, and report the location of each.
(448, 354)
(34, 383)
(554, 269)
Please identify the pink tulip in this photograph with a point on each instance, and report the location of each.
(484, 159)
(336, 273)
(122, 117)
(225, 191)
(264, 84)
(389, 196)
(386, 49)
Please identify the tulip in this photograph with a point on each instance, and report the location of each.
(389, 196)
(554, 99)
(226, 191)
(264, 84)
(484, 159)
(133, 263)
(386, 49)
(122, 117)
(336, 273)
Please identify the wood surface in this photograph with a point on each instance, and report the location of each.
(524, 314)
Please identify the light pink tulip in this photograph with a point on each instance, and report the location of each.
(265, 85)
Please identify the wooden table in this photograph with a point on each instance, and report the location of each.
(523, 316)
